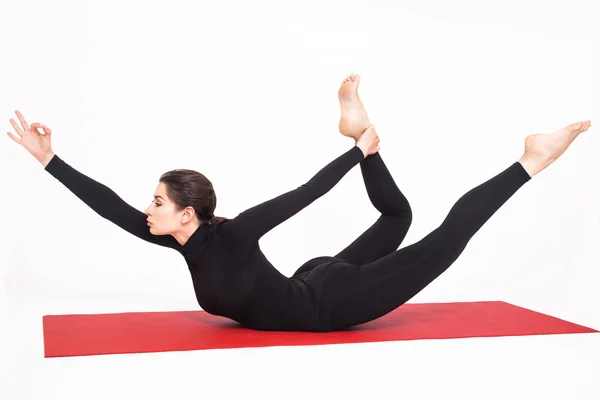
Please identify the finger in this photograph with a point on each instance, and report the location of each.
(35, 127)
(22, 119)
(16, 126)
(47, 130)
(13, 137)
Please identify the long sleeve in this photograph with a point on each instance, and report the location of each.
(249, 226)
(106, 202)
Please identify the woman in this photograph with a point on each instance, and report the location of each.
(366, 280)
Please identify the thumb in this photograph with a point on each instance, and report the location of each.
(47, 131)
(36, 125)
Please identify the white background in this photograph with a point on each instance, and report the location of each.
(246, 93)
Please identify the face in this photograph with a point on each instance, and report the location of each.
(165, 219)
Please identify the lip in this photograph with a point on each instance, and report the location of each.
(149, 223)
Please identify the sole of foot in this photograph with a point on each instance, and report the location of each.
(354, 119)
(542, 149)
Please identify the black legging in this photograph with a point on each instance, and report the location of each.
(372, 276)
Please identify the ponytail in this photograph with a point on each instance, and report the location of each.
(215, 220)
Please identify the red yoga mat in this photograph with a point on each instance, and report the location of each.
(143, 332)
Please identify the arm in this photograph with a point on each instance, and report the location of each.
(105, 202)
(250, 225)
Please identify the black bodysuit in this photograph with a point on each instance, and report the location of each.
(371, 277)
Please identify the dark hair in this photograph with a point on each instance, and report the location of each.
(189, 188)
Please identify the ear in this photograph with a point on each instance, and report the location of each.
(188, 214)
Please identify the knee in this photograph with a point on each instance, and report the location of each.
(397, 225)
(402, 218)
(400, 209)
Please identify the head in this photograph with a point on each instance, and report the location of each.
(183, 199)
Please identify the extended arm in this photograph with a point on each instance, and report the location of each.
(250, 225)
(106, 202)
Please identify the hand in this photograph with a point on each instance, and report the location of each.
(34, 142)
(368, 141)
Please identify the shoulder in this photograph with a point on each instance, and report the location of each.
(225, 229)
(233, 238)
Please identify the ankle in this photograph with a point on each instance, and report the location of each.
(532, 164)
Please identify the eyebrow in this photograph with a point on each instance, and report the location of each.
(158, 196)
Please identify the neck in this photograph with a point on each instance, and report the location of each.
(183, 235)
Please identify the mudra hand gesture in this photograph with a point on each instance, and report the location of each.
(35, 142)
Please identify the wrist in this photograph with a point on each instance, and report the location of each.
(364, 151)
(45, 158)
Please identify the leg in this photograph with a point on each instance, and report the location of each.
(387, 233)
(355, 294)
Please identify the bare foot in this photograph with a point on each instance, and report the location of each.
(541, 150)
(354, 119)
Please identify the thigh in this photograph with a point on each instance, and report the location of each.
(382, 238)
(355, 294)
